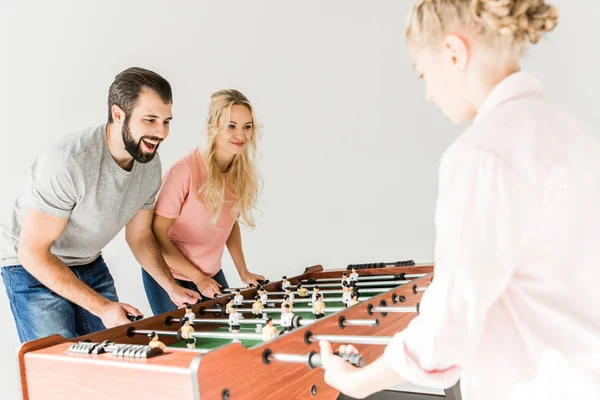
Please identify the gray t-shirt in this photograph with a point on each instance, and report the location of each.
(79, 179)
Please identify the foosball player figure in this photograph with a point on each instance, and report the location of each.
(286, 301)
(230, 304)
(154, 342)
(354, 275)
(347, 294)
(234, 320)
(353, 300)
(264, 296)
(288, 292)
(345, 279)
(269, 331)
(185, 333)
(257, 307)
(315, 293)
(302, 291)
(238, 299)
(318, 307)
(189, 314)
(286, 318)
(285, 283)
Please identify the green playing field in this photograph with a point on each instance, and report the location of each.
(210, 343)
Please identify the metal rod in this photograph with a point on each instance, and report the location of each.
(396, 309)
(275, 310)
(225, 321)
(197, 350)
(323, 292)
(367, 278)
(313, 359)
(290, 358)
(377, 340)
(360, 322)
(212, 335)
(336, 291)
(261, 321)
(358, 284)
(303, 300)
(255, 321)
(332, 285)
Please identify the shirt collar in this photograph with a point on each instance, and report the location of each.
(515, 85)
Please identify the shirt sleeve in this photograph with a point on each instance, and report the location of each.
(149, 204)
(55, 184)
(483, 219)
(175, 188)
(155, 176)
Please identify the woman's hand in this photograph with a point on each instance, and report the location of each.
(250, 278)
(182, 296)
(356, 382)
(340, 374)
(208, 286)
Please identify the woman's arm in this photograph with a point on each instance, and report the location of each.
(207, 286)
(234, 245)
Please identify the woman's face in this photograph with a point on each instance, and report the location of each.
(238, 131)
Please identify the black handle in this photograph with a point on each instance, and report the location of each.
(134, 318)
(314, 359)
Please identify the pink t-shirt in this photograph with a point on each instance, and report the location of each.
(193, 235)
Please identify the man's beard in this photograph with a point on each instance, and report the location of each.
(135, 148)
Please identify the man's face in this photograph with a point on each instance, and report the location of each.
(146, 126)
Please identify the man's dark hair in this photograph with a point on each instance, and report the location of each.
(127, 86)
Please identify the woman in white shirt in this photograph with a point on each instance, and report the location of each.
(513, 309)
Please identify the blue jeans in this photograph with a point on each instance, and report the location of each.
(159, 299)
(39, 312)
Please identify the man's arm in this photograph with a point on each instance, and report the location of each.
(142, 243)
(144, 247)
(38, 232)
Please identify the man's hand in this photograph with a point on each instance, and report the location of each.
(208, 286)
(182, 296)
(114, 314)
(250, 278)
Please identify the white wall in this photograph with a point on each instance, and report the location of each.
(350, 148)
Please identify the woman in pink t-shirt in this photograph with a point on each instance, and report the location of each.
(203, 197)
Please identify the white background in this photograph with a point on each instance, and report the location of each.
(350, 149)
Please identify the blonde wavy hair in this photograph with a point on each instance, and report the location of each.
(241, 184)
(508, 25)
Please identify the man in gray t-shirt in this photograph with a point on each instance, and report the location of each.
(82, 192)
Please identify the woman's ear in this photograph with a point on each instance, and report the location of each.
(456, 50)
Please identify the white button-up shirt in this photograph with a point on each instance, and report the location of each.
(514, 307)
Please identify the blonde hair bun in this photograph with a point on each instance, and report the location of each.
(521, 20)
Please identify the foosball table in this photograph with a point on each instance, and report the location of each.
(249, 343)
